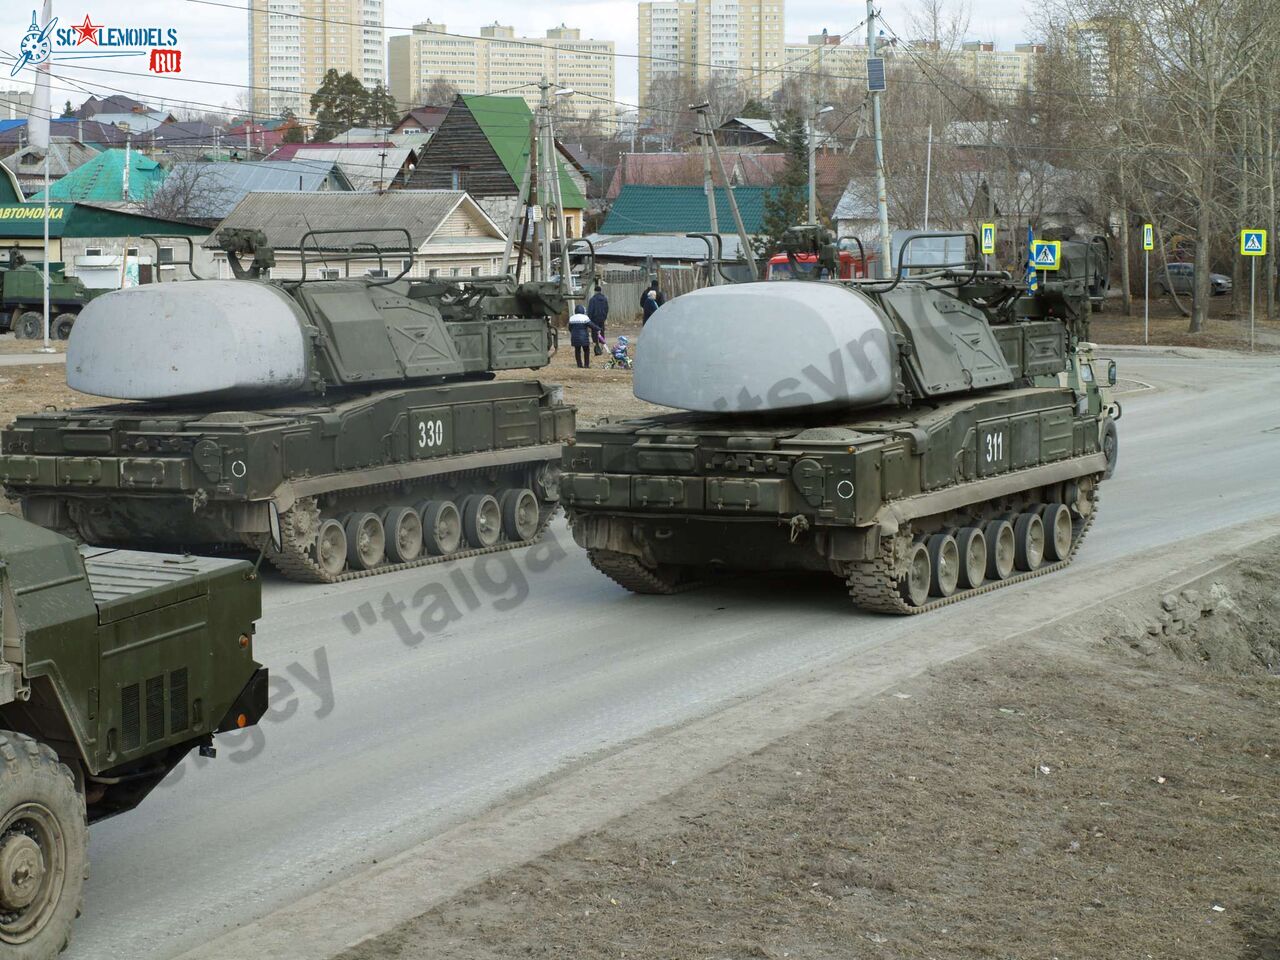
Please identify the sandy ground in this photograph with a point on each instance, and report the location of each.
(1116, 796)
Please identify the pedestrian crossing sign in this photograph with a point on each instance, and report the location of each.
(1046, 254)
(1148, 237)
(1253, 243)
(988, 238)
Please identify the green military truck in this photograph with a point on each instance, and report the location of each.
(22, 299)
(115, 665)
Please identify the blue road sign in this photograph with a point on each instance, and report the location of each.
(1046, 254)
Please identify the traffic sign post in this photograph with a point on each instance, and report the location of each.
(988, 243)
(1148, 243)
(1253, 244)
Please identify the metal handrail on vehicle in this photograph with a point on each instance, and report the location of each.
(351, 254)
(941, 269)
(189, 263)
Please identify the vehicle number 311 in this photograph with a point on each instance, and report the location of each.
(995, 447)
(430, 433)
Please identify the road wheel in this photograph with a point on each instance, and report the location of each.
(60, 329)
(1001, 549)
(944, 564)
(43, 850)
(1028, 538)
(30, 326)
(973, 557)
(1110, 446)
(481, 520)
(441, 527)
(915, 581)
(403, 528)
(331, 547)
(366, 540)
(1057, 530)
(520, 514)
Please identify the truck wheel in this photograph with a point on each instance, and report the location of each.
(1110, 446)
(43, 849)
(30, 326)
(60, 329)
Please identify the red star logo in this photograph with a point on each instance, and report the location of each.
(87, 30)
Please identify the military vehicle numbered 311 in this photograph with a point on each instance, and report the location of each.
(365, 411)
(114, 665)
(923, 438)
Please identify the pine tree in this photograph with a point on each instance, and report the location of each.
(340, 104)
(380, 109)
(788, 204)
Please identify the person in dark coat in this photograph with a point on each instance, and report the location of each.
(598, 309)
(650, 301)
(582, 332)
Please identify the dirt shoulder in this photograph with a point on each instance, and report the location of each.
(1101, 796)
(1224, 330)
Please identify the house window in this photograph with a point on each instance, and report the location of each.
(131, 251)
(458, 178)
(375, 272)
(453, 272)
(475, 271)
(166, 254)
(329, 273)
(93, 251)
(433, 273)
(406, 265)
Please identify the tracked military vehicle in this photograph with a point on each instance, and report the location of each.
(366, 411)
(923, 439)
(114, 665)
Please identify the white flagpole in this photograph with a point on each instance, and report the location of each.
(38, 126)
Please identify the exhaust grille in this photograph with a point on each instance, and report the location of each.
(130, 718)
(179, 714)
(155, 709)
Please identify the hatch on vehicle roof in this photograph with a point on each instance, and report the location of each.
(129, 582)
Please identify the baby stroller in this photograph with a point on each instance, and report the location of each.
(619, 358)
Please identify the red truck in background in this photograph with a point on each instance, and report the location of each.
(852, 266)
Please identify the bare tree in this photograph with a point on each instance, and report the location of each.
(191, 191)
(439, 93)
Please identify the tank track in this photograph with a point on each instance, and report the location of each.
(628, 572)
(873, 584)
(295, 561)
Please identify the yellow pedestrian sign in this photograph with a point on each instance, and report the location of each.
(1253, 243)
(1046, 254)
(1148, 237)
(988, 239)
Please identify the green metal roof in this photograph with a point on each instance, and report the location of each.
(645, 209)
(505, 122)
(101, 180)
(26, 221)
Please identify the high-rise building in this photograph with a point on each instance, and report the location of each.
(500, 62)
(704, 41)
(1107, 48)
(292, 43)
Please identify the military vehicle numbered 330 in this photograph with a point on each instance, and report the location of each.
(114, 665)
(923, 438)
(365, 411)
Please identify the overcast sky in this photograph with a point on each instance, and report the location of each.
(213, 39)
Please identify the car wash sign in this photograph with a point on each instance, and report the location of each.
(90, 40)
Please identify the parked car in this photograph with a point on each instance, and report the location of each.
(1182, 278)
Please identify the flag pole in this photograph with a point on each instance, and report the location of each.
(38, 128)
(48, 346)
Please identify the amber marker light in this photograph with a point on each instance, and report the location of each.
(244, 641)
(242, 721)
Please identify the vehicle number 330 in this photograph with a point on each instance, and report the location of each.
(995, 447)
(430, 433)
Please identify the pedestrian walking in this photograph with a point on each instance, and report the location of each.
(582, 333)
(652, 299)
(598, 309)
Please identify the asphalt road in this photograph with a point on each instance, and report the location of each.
(385, 733)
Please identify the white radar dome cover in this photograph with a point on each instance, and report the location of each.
(764, 347)
(188, 339)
